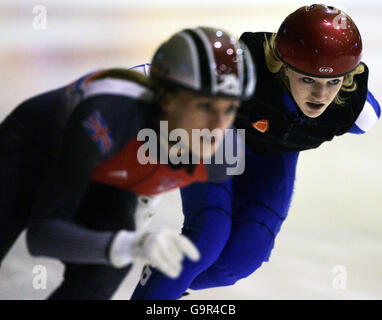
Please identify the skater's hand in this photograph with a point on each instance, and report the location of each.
(163, 249)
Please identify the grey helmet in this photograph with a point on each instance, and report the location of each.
(206, 60)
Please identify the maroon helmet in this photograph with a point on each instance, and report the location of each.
(319, 41)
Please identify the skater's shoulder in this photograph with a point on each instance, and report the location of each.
(118, 82)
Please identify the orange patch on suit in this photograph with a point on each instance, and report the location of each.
(261, 125)
(124, 171)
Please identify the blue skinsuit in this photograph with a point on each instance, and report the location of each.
(234, 224)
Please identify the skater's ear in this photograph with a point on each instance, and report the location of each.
(166, 98)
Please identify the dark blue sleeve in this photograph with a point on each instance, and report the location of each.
(92, 135)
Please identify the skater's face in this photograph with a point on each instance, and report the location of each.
(313, 95)
(187, 110)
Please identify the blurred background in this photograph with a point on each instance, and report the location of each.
(334, 228)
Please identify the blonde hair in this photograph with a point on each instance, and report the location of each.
(275, 65)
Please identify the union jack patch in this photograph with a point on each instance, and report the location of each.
(99, 131)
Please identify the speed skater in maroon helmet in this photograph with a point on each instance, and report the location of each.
(312, 87)
(70, 160)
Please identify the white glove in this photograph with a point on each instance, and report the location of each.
(163, 249)
(144, 213)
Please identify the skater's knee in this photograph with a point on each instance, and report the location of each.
(229, 274)
(234, 265)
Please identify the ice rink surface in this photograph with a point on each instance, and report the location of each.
(334, 228)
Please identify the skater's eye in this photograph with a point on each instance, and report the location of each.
(205, 106)
(232, 109)
(334, 82)
(307, 80)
